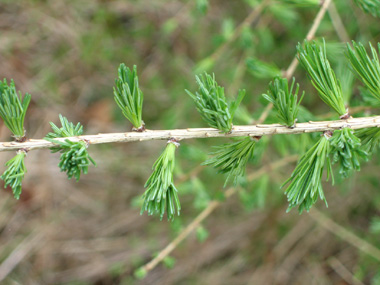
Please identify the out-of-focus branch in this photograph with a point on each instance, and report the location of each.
(337, 23)
(310, 35)
(344, 234)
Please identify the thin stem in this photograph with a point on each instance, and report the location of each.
(208, 210)
(183, 134)
(343, 272)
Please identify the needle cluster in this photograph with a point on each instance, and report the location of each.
(212, 104)
(313, 58)
(232, 158)
(306, 180)
(365, 67)
(284, 100)
(161, 194)
(129, 97)
(74, 158)
(346, 149)
(13, 108)
(15, 172)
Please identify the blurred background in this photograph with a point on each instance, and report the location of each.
(66, 54)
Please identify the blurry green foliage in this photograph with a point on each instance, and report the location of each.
(228, 29)
(202, 6)
(369, 6)
(201, 192)
(262, 69)
(140, 273)
(169, 261)
(246, 38)
(375, 225)
(202, 234)
(255, 195)
(303, 2)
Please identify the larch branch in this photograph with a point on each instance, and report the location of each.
(198, 133)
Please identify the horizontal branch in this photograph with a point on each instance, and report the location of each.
(194, 133)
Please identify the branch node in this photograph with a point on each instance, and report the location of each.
(328, 134)
(140, 129)
(174, 141)
(345, 116)
(294, 125)
(255, 138)
(87, 142)
(24, 150)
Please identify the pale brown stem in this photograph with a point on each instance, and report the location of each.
(183, 134)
